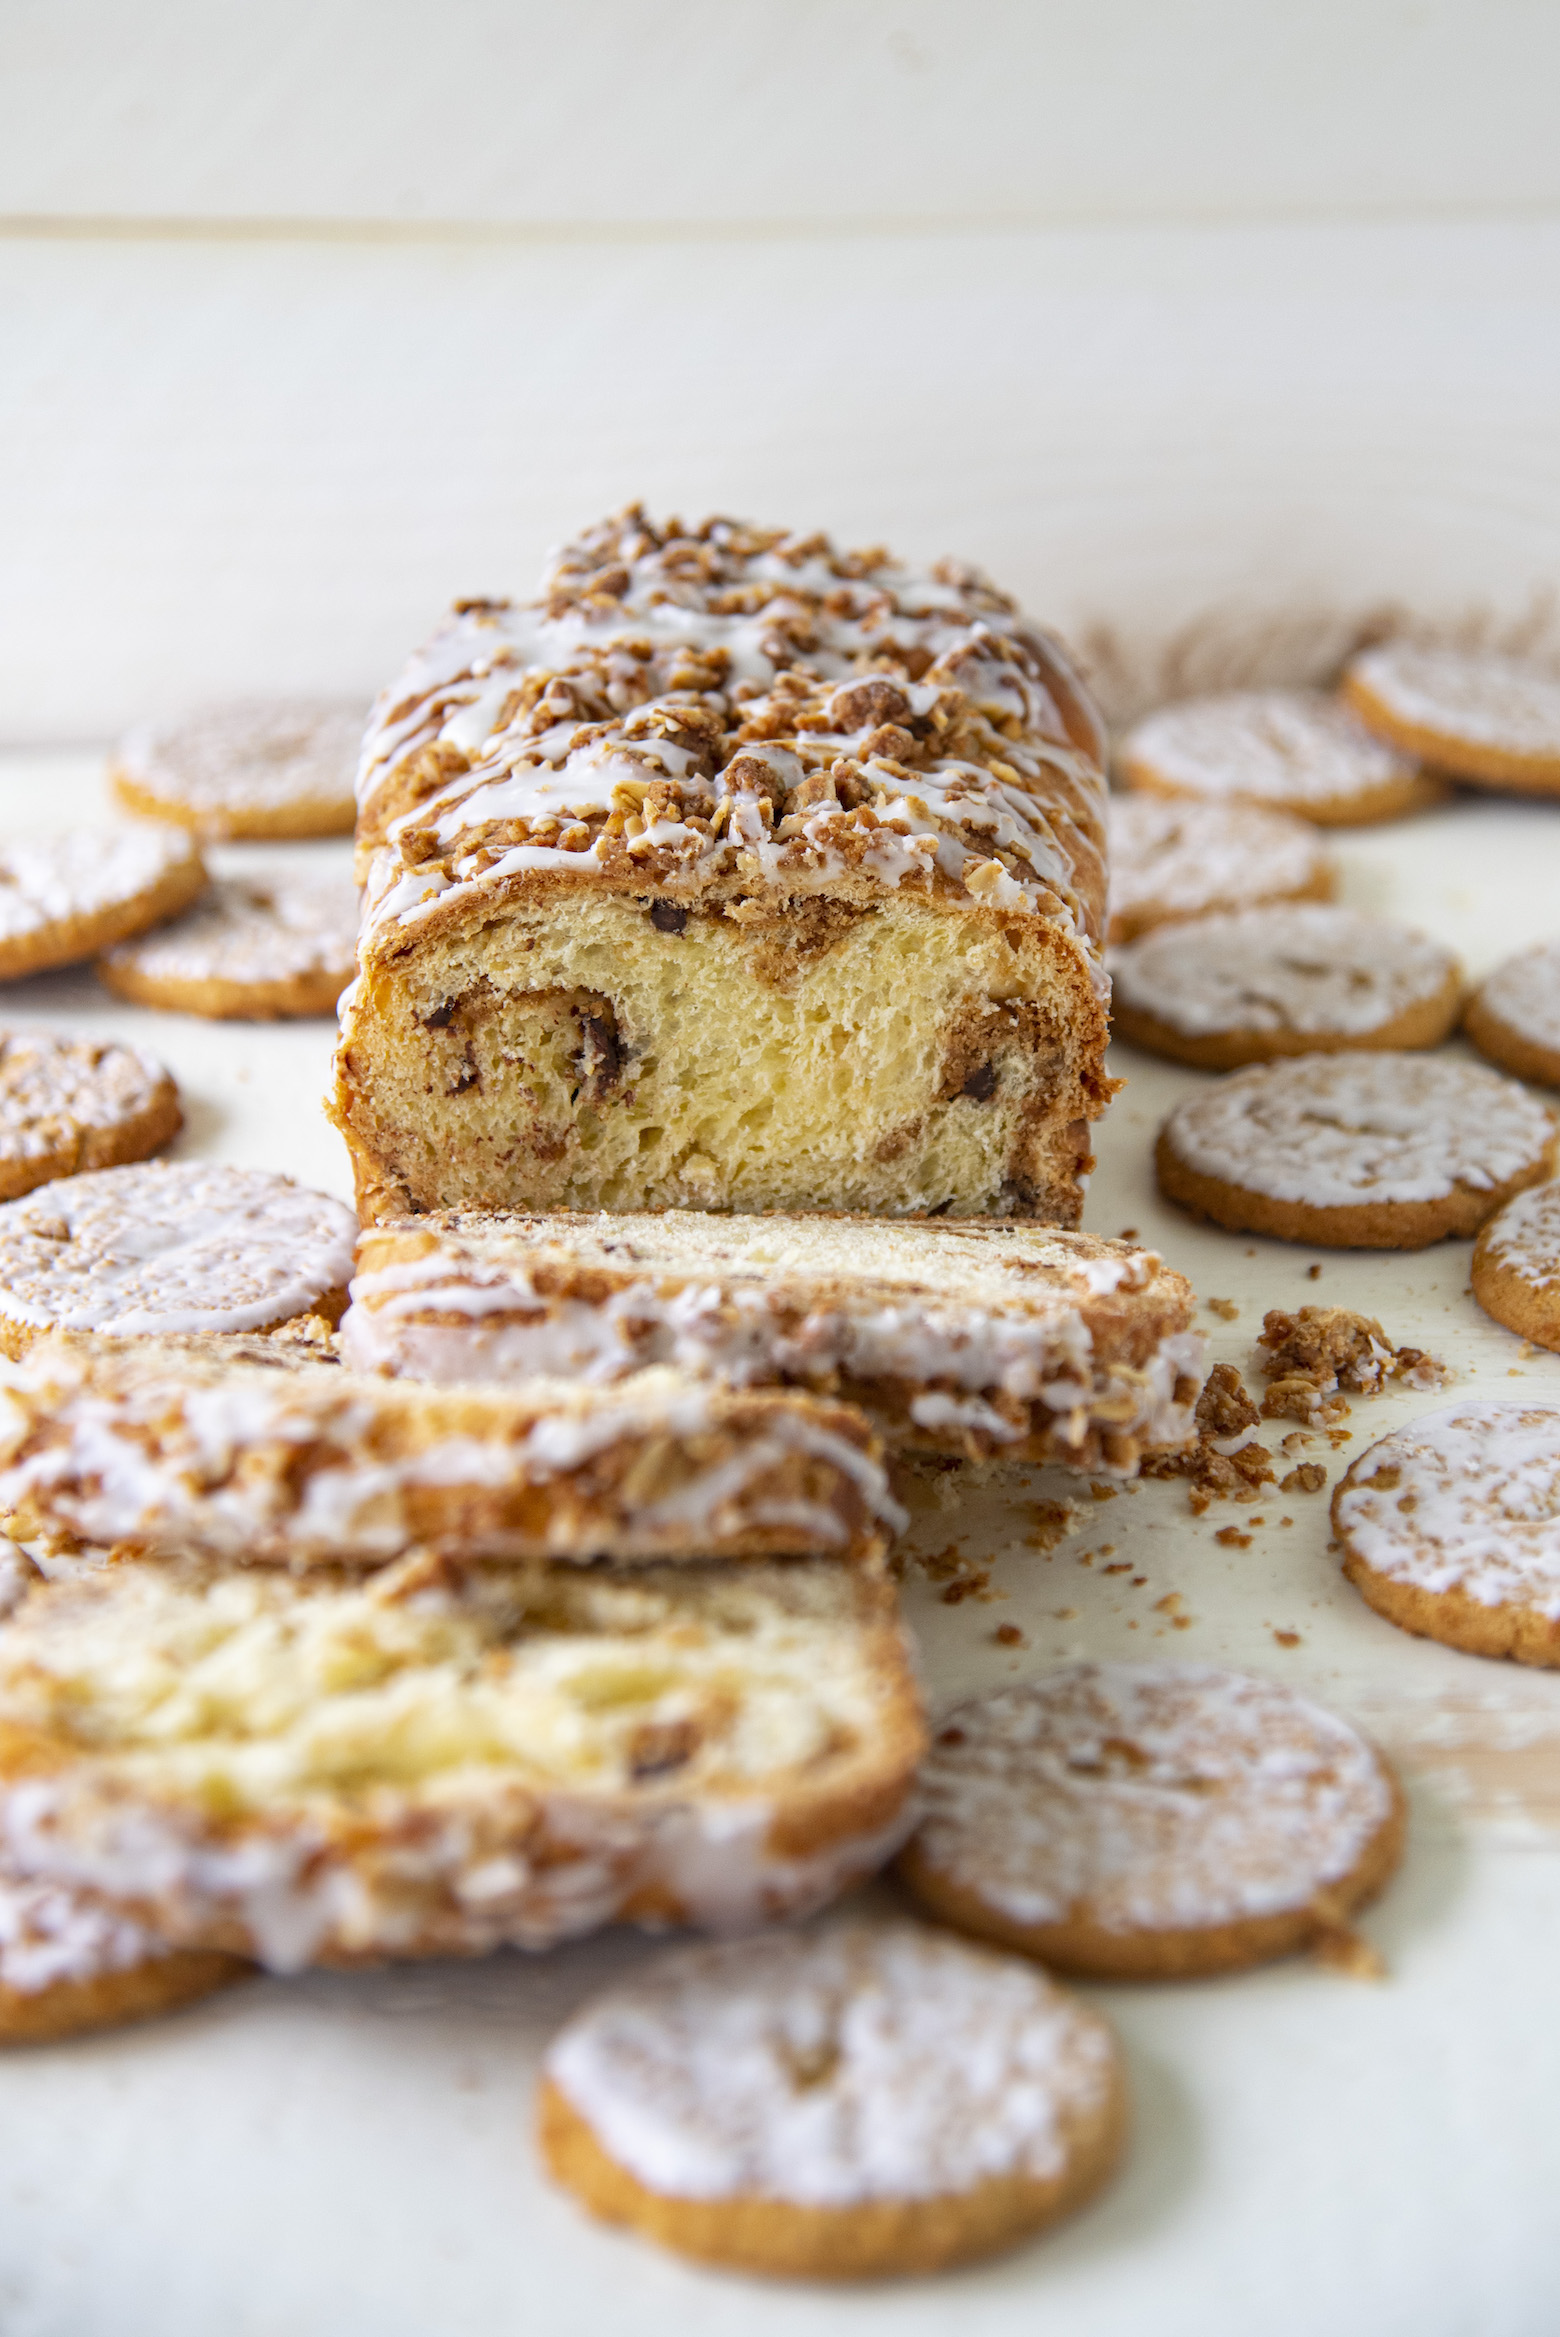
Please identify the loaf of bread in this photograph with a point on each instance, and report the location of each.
(956, 1336)
(172, 1445)
(434, 1760)
(735, 872)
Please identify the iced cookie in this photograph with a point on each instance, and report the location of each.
(254, 950)
(1515, 1017)
(1152, 1821)
(1355, 1151)
(70, 1964)
(65, 897)
(1451, 1529)
(1240, 989)
(170, 1246)
(263, 767)
(1493, 720)
(1288, 750)
(864, 2100)
(1516, 1266)
(1173, 858)
(69, 1105)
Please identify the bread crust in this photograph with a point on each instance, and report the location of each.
(112, 2000)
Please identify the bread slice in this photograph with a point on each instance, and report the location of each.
(737, 872)
(276, 1458)
(434, 1760)
(956, 1336)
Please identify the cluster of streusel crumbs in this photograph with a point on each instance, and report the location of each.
(730, 710)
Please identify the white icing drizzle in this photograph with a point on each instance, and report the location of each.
(1172, 858)
(1470, 695)
(1149, 1797)
(1524, 1237)
(1331, 1131)
(1307, 969)
(49, 1934)
(1525, 994)
(1291, 748)
(51, 880)
(861, 2062)
(168, 1246)
(52, 1088)
(1463, 1500)
(258, 755)
(252, 929)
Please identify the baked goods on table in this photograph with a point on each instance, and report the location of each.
(864, 2100)
(1287, 750)
(1356, 1151)
(1490, 721)
(1451, 1529)
(1151, 1821)
(65, 897)
(279, 1459)
(260, 767)
(439, 1759)
(253, 949)
(959, 1336)
(68, 1106)
(1514, 1016)
(70, 1963)
(1515, 1273)
(735, 872)
(169, 1246)
(1248, 986)
(1174, 857)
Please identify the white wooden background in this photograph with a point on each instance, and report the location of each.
(314, 313)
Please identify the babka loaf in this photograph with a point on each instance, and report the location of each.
(956, 1336)
(736, 872)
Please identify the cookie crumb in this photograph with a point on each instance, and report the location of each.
(1233, 1538)
(1346, 1951)
(1009, 1635)
(1226, 1462)
(1225, 1308)
(1054, 1521)
(1314, 1273)
(1128, 1233)
(1314, 1355)
(1287, 1638)
(1310, 1477)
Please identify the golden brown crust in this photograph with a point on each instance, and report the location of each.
(324, 815)
(1509, 1048)
(1424, 1024)
(1393, 799)
(68, 940)
(1194, 1951)
(1471, 760)
(110, 2000)
(873, 2239)
(1378, 1225)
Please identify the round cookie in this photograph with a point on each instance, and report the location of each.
(1282, 981)
(1364, 1151)
(68, 1105)
(1515, 1017)
(1151, 1821)
(170, 1246)
(1174, 857)
(861, 2101)
(1289, 750)
(65, 897)
(1516, 1266)
(1489, 719)
(255, 949)
(261, 767)
(70, 1964)
(1451, 1529)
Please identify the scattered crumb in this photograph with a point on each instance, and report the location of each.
(1286, 1521)
(1527, 1350)
(1314, 1273)
(1287, 1638)
(1086, 1558)
(1170, 1604)
(1182, 1622)
(1138, 1581)
(1225, 1308)
(962, 1578)
(1066, 1614)
(1346, 1951)
(1512, 1372)
(1128, 1233)
(1297, 1441)
(1257, 1521)
(1122, 1566)
(1009, 1635)
(1315, 1354)
(1310, 1477)
(1054, 1521)
(1233, 1538)
(1103, 1492)
(1225, 1412)
(1337, 1436)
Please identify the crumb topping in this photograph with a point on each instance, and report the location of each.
(1313, 1355)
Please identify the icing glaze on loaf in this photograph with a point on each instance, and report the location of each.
(866, 2061)
(1283, 746)
(1525, 994)
(1155, 1797)
(1331, 1131)
(1463, 1500)
(1305, 969)
(1474, 695)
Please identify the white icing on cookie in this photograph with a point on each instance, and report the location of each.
(1470, 695)
(862, 2062)
(50, 1934)
(52, 880)
(1173, 858)
(1524, 1237)
(260, 755)
(1307, 969)
(1525, 994)
(253, 929)
(1290, 747)
(1333, 1131)
(1465, 1500)
(52, 1088)
(1151, 1797)
(168, 1246)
